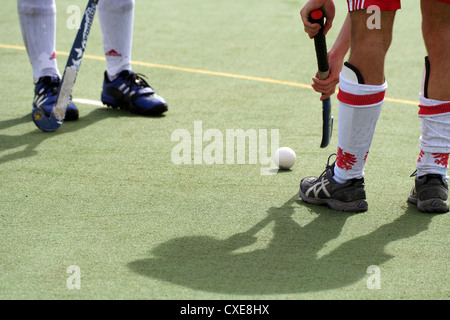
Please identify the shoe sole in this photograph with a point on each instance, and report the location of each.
(430, 205)
(352, 206)
(122, 104)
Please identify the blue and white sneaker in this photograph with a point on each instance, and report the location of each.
(129, 91)
(45, 92)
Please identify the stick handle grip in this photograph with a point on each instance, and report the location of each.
(320, 43)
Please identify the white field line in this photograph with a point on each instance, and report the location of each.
(87, 101)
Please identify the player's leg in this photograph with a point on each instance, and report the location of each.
(369, 46)
(122, 87)
(38, 25)
(116, 22)
(435, 29)
(430, 192)
(361, 95)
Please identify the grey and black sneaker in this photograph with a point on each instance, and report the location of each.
(324, 190)
(430, 193)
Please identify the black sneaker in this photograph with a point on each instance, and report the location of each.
(324, 190)
(430, 193)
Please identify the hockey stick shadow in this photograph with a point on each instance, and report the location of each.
(28, 142)
(5, 124)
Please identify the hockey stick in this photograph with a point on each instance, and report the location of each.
(58, 114)
(320, 44)
(274, 213)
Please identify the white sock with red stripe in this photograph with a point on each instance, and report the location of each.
(435, 137)
(359, 108)
(116, 22)
(38, 25)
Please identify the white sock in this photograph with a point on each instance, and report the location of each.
(38, 25)
(435, 136)
(358, 111)
(116, 22)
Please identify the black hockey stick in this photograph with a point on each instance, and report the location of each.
(320, 44)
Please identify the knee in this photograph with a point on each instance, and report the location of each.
(373, 46)
(436, 35)
(435, 22)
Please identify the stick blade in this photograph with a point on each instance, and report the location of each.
(327, 123)
(326, 137)
(47, 124)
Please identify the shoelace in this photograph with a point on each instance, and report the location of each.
(328, 165)
(137, 79)
(49, 86)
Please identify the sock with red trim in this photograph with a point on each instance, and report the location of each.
(38, 26)
(116, 23)
(435, 136)
(359, 109)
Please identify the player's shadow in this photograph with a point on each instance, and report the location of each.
(296, 260)
(28, 142)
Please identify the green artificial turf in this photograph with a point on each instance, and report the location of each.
(104, 195)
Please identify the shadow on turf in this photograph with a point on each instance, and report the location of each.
(295, 261)
(30, 140)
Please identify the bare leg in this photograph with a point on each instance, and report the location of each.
(369, 46)
(436, 34)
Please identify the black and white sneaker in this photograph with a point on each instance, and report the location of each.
(324, 190)
(430, 193)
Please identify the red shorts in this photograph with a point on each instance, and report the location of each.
(384, 5)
